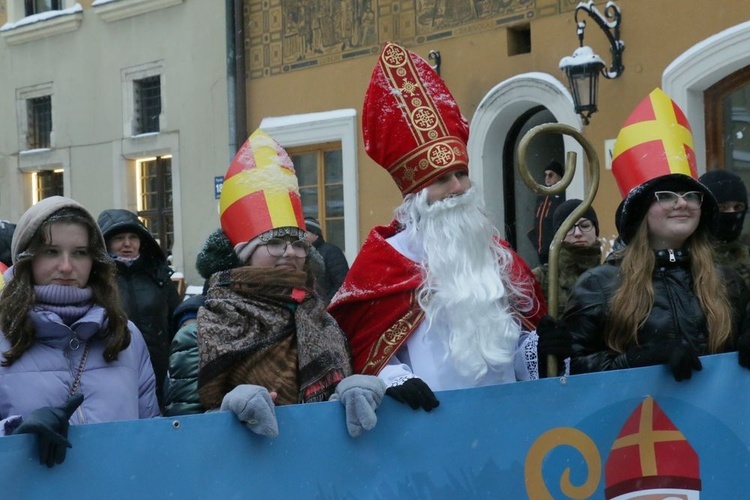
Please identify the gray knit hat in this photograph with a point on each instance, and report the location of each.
(35, 216)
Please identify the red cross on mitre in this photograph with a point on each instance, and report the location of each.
(649, 453)
(655, 140)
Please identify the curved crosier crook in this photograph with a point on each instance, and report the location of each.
(592, 162)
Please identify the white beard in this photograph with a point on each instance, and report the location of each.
(466, 282)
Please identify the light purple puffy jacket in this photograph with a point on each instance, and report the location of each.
(121, 390)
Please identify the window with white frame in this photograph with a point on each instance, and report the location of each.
(46, 183)
(146, 105)
(154, 198)
(32, 7)
(143, 99)
(321, 185)
(30, 20)
(39, 119)
(35, 123)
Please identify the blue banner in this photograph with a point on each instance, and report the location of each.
(619, 432)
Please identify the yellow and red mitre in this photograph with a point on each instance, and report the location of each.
(654, 151)
(260, 191)
(650, 453)
(3, 268)
(411, 123)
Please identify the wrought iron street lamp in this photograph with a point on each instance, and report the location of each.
(584, 66)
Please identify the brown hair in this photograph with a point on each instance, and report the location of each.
(18, 296)
(634, 298)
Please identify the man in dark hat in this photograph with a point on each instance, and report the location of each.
(334, 259)
(542, 232)
(731, 194)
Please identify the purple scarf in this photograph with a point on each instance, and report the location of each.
(68, 302)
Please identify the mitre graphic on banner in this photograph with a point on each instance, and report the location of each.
(651, 459)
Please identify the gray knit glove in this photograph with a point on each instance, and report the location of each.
(361, 395)
(253, 406)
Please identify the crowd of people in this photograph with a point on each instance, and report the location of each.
(93, 329)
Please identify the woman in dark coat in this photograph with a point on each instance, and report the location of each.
(661, 299)
(148, 294)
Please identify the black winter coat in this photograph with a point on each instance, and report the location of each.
(147, 292)
(6, 237)
(676, 312)
(336, 267)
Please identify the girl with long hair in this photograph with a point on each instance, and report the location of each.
(69, 354)
(661, 299)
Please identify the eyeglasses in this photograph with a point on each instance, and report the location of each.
(277, 247)
(584, 226)
(668, 199)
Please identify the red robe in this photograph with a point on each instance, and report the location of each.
(377, 306)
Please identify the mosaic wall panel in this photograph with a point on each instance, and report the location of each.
(291, 35)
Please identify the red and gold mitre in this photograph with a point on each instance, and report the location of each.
(654, 151)
(650, 453)
(260, 191)
(411, 123)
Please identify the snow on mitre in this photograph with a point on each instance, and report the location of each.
(411, 123)
(651, 457)
(260, 191)
(655, 140)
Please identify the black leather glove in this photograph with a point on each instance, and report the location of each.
(415, 393)
(555, 339)
(743, 349)
(683, 361)
(50, 424)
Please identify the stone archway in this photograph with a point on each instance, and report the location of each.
(497, 113)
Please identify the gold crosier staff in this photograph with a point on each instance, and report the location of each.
(592, 161)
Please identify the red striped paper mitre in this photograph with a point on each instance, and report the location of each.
(239, 219)
(411, 124)
(655, 140)
(260, 191)
(649, 453)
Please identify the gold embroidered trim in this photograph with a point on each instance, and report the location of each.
(392, 339)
